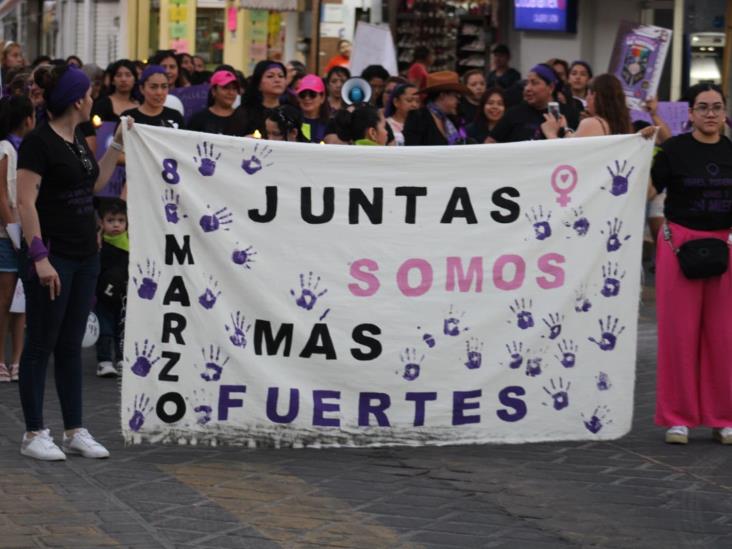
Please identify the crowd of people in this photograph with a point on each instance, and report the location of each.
(70, 248)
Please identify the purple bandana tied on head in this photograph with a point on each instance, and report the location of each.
(149, 71)
(71, 87)
(545, 73)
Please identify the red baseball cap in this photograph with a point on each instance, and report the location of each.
(311, 82)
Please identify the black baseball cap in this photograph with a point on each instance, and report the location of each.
(501, 49)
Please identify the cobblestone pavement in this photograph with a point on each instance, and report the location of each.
(635, 492)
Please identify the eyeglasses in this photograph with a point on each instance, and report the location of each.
(307, 94)
(80, 153)
(705, 109)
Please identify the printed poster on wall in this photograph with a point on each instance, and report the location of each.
(637, 60)
(288, 294)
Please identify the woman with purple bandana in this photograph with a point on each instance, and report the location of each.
(57, 176)
(523, 122)
(154, 87)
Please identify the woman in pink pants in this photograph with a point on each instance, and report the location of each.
(694, 323)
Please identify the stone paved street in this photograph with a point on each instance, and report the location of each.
(633, 493)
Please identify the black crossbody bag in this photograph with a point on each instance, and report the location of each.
(700, 258)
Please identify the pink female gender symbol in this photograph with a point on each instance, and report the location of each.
(567, 175)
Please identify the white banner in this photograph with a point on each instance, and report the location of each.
(291, 294)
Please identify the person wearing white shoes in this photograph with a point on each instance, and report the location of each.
(57, 177)
(693, 279)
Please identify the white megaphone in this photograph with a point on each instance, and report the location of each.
(355, 90)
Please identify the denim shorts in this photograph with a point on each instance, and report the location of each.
(8, 257)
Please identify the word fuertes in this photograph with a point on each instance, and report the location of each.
(268, 341)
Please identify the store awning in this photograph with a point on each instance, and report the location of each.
(275, 5)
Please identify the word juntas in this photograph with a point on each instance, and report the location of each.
(459, 205)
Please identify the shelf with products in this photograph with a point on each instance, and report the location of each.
(474, 39)
(430, 23)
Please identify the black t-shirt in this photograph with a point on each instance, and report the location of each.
(65, 197)
(208, 122)
(420, 129)
(104, 109)
(505, 81)
(523, 123)
(468, 110)
(168, 118)
(697, 178)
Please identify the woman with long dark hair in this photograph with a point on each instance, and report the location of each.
(57, 178)
(402, 100)
(694, 383)
(119, 97)
(266, 86)
(334, 80)
(491, 109)
(363, 126)
(220, 115)
(169, 62)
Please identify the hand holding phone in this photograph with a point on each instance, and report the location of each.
(554, 109)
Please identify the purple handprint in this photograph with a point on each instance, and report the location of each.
(308, 292)
(611, 275)
(256, 162)
(206, 158)
(219, 219)
(204, 413)
(568, 350)
(609, 334)
(614, 241)
(238, 329)
(539, 220)
(597, 420)
(142, 407)
(208, 298)
(474, 350)
(515, 350)
(411, 364)
(201, 403)
(171, 206)
(603, 381)
(524, 318)
(559, 394)
(451, 323)
(144, 360)
(428, 338)
(581, 301)
(213, 367)
(147, 284)
(580, 224)
(533, 366)
(620, 180)
(243, 256)
(554, 323)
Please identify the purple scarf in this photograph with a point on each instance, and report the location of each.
(454, 135)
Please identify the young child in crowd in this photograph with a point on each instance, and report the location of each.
(112, 285)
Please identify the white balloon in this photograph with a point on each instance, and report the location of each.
(92, 331)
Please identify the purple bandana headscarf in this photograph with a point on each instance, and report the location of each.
(71, 87)
(149, 71)
(545, 73)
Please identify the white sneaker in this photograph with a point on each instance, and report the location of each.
(678, 434)
(106, 369)
(83, 443)
(724, 435)
(41, 447)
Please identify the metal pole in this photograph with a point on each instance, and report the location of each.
(677, 51)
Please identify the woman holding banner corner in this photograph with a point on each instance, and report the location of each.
(693, 282)
(57, 177)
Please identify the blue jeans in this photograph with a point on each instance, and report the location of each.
(109, 344)
(56, 327)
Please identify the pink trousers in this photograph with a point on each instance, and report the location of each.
(694, 384)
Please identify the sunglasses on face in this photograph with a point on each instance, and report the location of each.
(307, 94)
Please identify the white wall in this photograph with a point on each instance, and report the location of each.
(596, 28)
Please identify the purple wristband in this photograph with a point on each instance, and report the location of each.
(37, 250)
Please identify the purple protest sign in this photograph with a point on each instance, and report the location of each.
(105, 134)
(674, 113)
(194, 99)
(637, 60)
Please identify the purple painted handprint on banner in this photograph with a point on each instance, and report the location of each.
(597, 420)
(539, 220)
(428, 338)
(451, 323)
(515, 351)
(308, 292)
(243, 256)
(533, 366)
(206, 160)
(171, 206)
(147, 284)
(213, 367)
(603, 381)
(522, 309)
(582, 302)
(238, 329)
(141, 407)
(214, 221)
(579, 223)
(568, 353)
(202, 406)
(614, 240)
(256, 161)
(559, 394)
(554, 323)
(609, 333)
(619, 179)
(474, 351)
(411, 364)
(144, 360)
(208, 298)
(612, 274)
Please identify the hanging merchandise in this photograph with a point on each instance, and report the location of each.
(231, 20)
